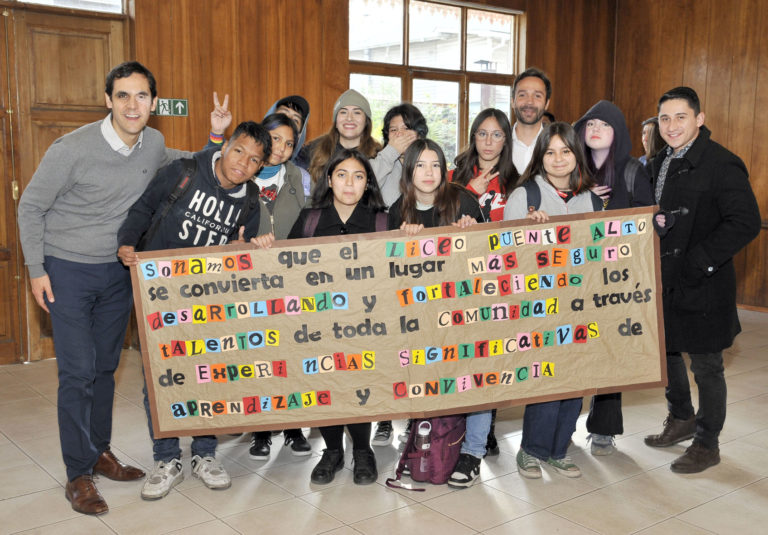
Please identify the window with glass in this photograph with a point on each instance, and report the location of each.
(104, 6)
(449, 59)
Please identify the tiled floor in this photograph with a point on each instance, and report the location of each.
(632, 491)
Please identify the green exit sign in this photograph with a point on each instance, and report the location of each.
(172, 107)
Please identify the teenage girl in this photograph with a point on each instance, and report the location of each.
(352, 130)
(430, 200)
(559, 169)
(346, 201)
(622, 182)
(486, 167)
(398, 121)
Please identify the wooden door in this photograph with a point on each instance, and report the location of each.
(61, 61)
(10, 287)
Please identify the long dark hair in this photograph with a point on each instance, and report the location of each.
(581, 178)
(412, 117)
(605, 175)
(468, 161)
(322, 196)
(655, 142)
(325, 145)
(447, 193)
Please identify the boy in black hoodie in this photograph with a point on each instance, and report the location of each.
(214, 209)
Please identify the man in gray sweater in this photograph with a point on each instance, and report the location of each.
(69, 216)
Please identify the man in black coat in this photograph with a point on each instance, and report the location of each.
(709, 213)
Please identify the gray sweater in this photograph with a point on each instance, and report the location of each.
(80, 195)
(551, 202)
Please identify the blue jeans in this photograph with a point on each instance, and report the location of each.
(476, 437)
(167, 449)
(547, 427)
(89, 318)
(708, 372)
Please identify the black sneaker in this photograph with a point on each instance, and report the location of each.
(364, 469)
(260, 446)
(331, 462)
(466, 472)
(383, 434)
(299, 445)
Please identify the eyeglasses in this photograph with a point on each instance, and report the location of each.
(496, 135)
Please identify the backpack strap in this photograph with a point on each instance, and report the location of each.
(381, 221)
(189, 170)
(532, 194)
(310, 223)
(395, 482)
(252, 200)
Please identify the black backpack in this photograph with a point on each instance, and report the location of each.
(187, 177)
(313, 218)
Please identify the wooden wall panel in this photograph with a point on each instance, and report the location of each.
(573, 42)
(237, 47)
(721, 50)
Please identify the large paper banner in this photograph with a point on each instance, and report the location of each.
(379, 326)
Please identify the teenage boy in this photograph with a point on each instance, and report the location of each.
(225, 176)
(709, 214)
(69, 215)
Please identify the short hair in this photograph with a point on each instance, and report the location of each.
(276, 120)
(295, 103)
(683, 92)
(412, 117)
(256, 132)
(549, 115)
(126, 69)
(533, 72)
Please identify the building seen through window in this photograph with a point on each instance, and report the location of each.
(449, 73)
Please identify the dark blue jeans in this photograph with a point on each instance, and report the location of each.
(89, 317)
(707, 370)
(547, 427)
(167, 449)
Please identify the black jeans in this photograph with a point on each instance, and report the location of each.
(605, 416)
(707, 370)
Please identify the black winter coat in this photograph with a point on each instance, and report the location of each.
(717, 215)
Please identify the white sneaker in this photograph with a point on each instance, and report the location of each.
(163, 478)
(211, 472)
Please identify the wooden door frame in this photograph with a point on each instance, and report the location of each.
(33, 344)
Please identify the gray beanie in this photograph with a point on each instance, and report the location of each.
(350, 97)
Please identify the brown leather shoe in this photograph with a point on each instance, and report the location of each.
(696, 459)
(108, 466)
(674, 431)
(85, 497)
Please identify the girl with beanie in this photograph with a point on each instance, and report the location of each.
(351, 129)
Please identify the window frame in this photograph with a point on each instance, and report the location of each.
(407, 73)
